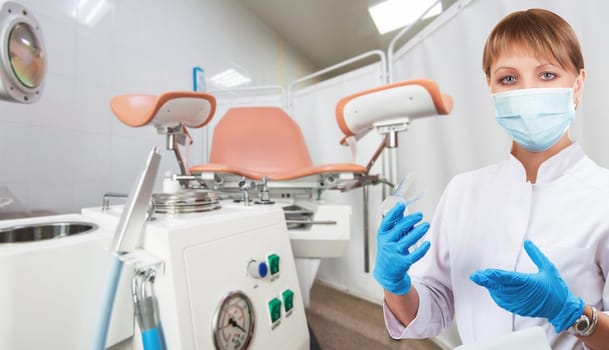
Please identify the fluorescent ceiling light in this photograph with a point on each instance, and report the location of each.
(229, 78)
(393, 14)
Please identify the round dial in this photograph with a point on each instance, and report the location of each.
(234, 322)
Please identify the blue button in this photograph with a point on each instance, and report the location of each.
(262, 269)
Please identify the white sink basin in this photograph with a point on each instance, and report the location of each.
(52, 275)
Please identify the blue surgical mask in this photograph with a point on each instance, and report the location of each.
(535, 118)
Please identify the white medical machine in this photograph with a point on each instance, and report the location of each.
(224, 278)
(214, 263)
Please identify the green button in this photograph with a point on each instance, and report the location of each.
(275, 309)
(288, 299)
(273, 260)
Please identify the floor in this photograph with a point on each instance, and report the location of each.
(340, 321)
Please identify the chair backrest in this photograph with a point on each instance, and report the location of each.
(261, 139)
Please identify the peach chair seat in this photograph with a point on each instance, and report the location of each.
(192, 109)
(258, 142)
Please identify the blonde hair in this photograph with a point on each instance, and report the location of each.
(538, 30)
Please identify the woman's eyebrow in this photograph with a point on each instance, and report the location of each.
(503, 68)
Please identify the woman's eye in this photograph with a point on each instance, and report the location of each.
(548, 76)
(508, 80)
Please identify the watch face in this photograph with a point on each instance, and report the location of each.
(233, 326)
(582, 325)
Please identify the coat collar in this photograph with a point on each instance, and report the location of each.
(554, 167)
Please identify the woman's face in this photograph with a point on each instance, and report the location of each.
(520, 69)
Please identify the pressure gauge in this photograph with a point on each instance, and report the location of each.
(22, 54)
(233, 325)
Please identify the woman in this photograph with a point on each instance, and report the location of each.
(521, 243)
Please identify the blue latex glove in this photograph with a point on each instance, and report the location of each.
(395, 235)
(541, 294)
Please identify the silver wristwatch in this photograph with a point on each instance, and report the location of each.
(584, 326)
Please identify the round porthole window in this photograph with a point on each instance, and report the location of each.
(23, 57)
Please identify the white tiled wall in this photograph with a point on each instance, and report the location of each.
(64, 151)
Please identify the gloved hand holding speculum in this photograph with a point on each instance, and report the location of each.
(541, 294)
(396, 234)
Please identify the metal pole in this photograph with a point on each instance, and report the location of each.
(366, 231)
(390, 159)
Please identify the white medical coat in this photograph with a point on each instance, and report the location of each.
(482, 220)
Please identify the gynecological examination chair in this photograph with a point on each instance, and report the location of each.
(259, 156)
